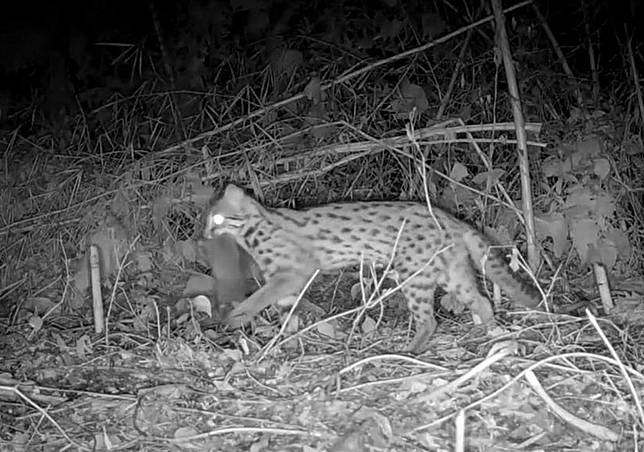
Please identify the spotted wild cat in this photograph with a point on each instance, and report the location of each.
(290, 245)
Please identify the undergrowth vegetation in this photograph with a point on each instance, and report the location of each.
(305, 104)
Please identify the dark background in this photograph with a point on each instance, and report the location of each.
(51, 52)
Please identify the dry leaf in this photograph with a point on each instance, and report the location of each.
(368, 325)
(327, 329)
(313, 91)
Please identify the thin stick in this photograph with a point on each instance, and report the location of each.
(44, 413)
(522, 147)
(622, 368)
(271, 345)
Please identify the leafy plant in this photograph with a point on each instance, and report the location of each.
(582, 210)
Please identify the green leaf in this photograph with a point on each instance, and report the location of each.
(554, 226)
(606, 253)
(488, 177)
(584, 233)
(604, 205)
(313, 91)
(588, 149)
(620, 240)
(601, 168)
(410, 96)
(459, 172)
(555, 167)
(368, 325)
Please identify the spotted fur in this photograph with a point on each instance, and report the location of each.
(290, 245)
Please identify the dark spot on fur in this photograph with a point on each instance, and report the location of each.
(393, 229)
(375, 231)
(346, 230)
(290, 219)
(423, 287)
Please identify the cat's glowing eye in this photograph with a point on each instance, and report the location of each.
(218, 219)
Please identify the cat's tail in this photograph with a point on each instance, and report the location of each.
(490, 261)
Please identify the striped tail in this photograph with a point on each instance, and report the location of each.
(491, 263)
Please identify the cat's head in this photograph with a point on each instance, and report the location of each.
(229, 213)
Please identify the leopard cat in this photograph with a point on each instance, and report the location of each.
(434, 250)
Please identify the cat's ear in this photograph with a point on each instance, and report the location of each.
(237, 199)
(234, 194)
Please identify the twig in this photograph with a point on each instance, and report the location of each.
(530, 368)
(522, 147)
(272, 342)
(45, 414)
(596, 430)
(115, 286)
(622, 368)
